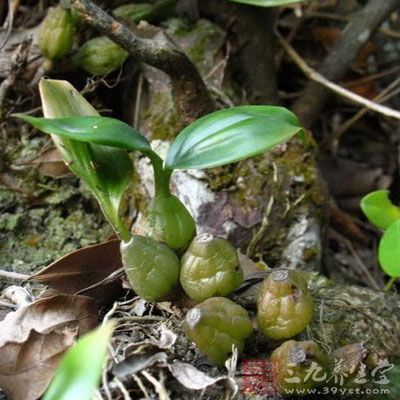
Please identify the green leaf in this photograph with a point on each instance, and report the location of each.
(389, 250)
(268, 3)
(379, 210)
(80, 370)
(230, 135)
(106, 170)
(99, 130)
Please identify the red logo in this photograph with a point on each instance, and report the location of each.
(258, 377)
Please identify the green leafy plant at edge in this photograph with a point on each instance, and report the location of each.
(381, 212)
(79, 372)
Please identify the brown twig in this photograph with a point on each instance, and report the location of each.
(333, 87)
(191, 96)
(13, 275)
(354, 36)
(8, 24)
(373, 77)
(18, 60)
(325, 15)
(389, 92)
(359, 264)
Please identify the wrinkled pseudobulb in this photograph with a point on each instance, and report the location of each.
(210, 267)
(216, 325)
(100, 56)
(284, 305)
(292, 363)
(56, 33)
(152, 268)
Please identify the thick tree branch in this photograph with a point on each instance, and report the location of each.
(354, 36)
(190, 92)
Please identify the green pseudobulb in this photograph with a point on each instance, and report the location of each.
(168, 221)
(292, 362)
(216, 325)
(100, 56)
(56, 33)
(210, 267)
(284, 305)
(152, 267)
(134, 12)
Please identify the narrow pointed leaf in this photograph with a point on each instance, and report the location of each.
(389, 250)
(268, 3)
(230, 135)
(80, 370)
(379, 210)
(100, 130)
(106, 170)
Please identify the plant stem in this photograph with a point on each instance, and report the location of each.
(115, 220)
(121, 229)
(390, 283)
(162, 176)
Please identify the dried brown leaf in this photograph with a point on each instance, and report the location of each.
(83, 268)
(138, 362)
(27, 368)
(50, 163)
(51, 314)
(194, 379)
(34, 337)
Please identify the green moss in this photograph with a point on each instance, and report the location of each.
(41, 235)
(166, 124)
(350, 314)
(201, 41)
(41, 218)
(7, 198)
(287, 176)
(9, 222)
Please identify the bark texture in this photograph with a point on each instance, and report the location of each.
(190, 93)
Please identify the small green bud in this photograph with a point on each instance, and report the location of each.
(134, 12)
(56, 33)
(151, 267)
(292, 362)
(210, 267)
(284, 304)
(217, 324)
(169, 221)
(100, 56)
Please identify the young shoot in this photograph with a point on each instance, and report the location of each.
(381, 212)
(96, 149)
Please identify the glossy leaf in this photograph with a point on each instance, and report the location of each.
(230, 135)
(379, 210)
(99, 130)
(79, 372)
(389, 250)
(106, 170)
(268, 3)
